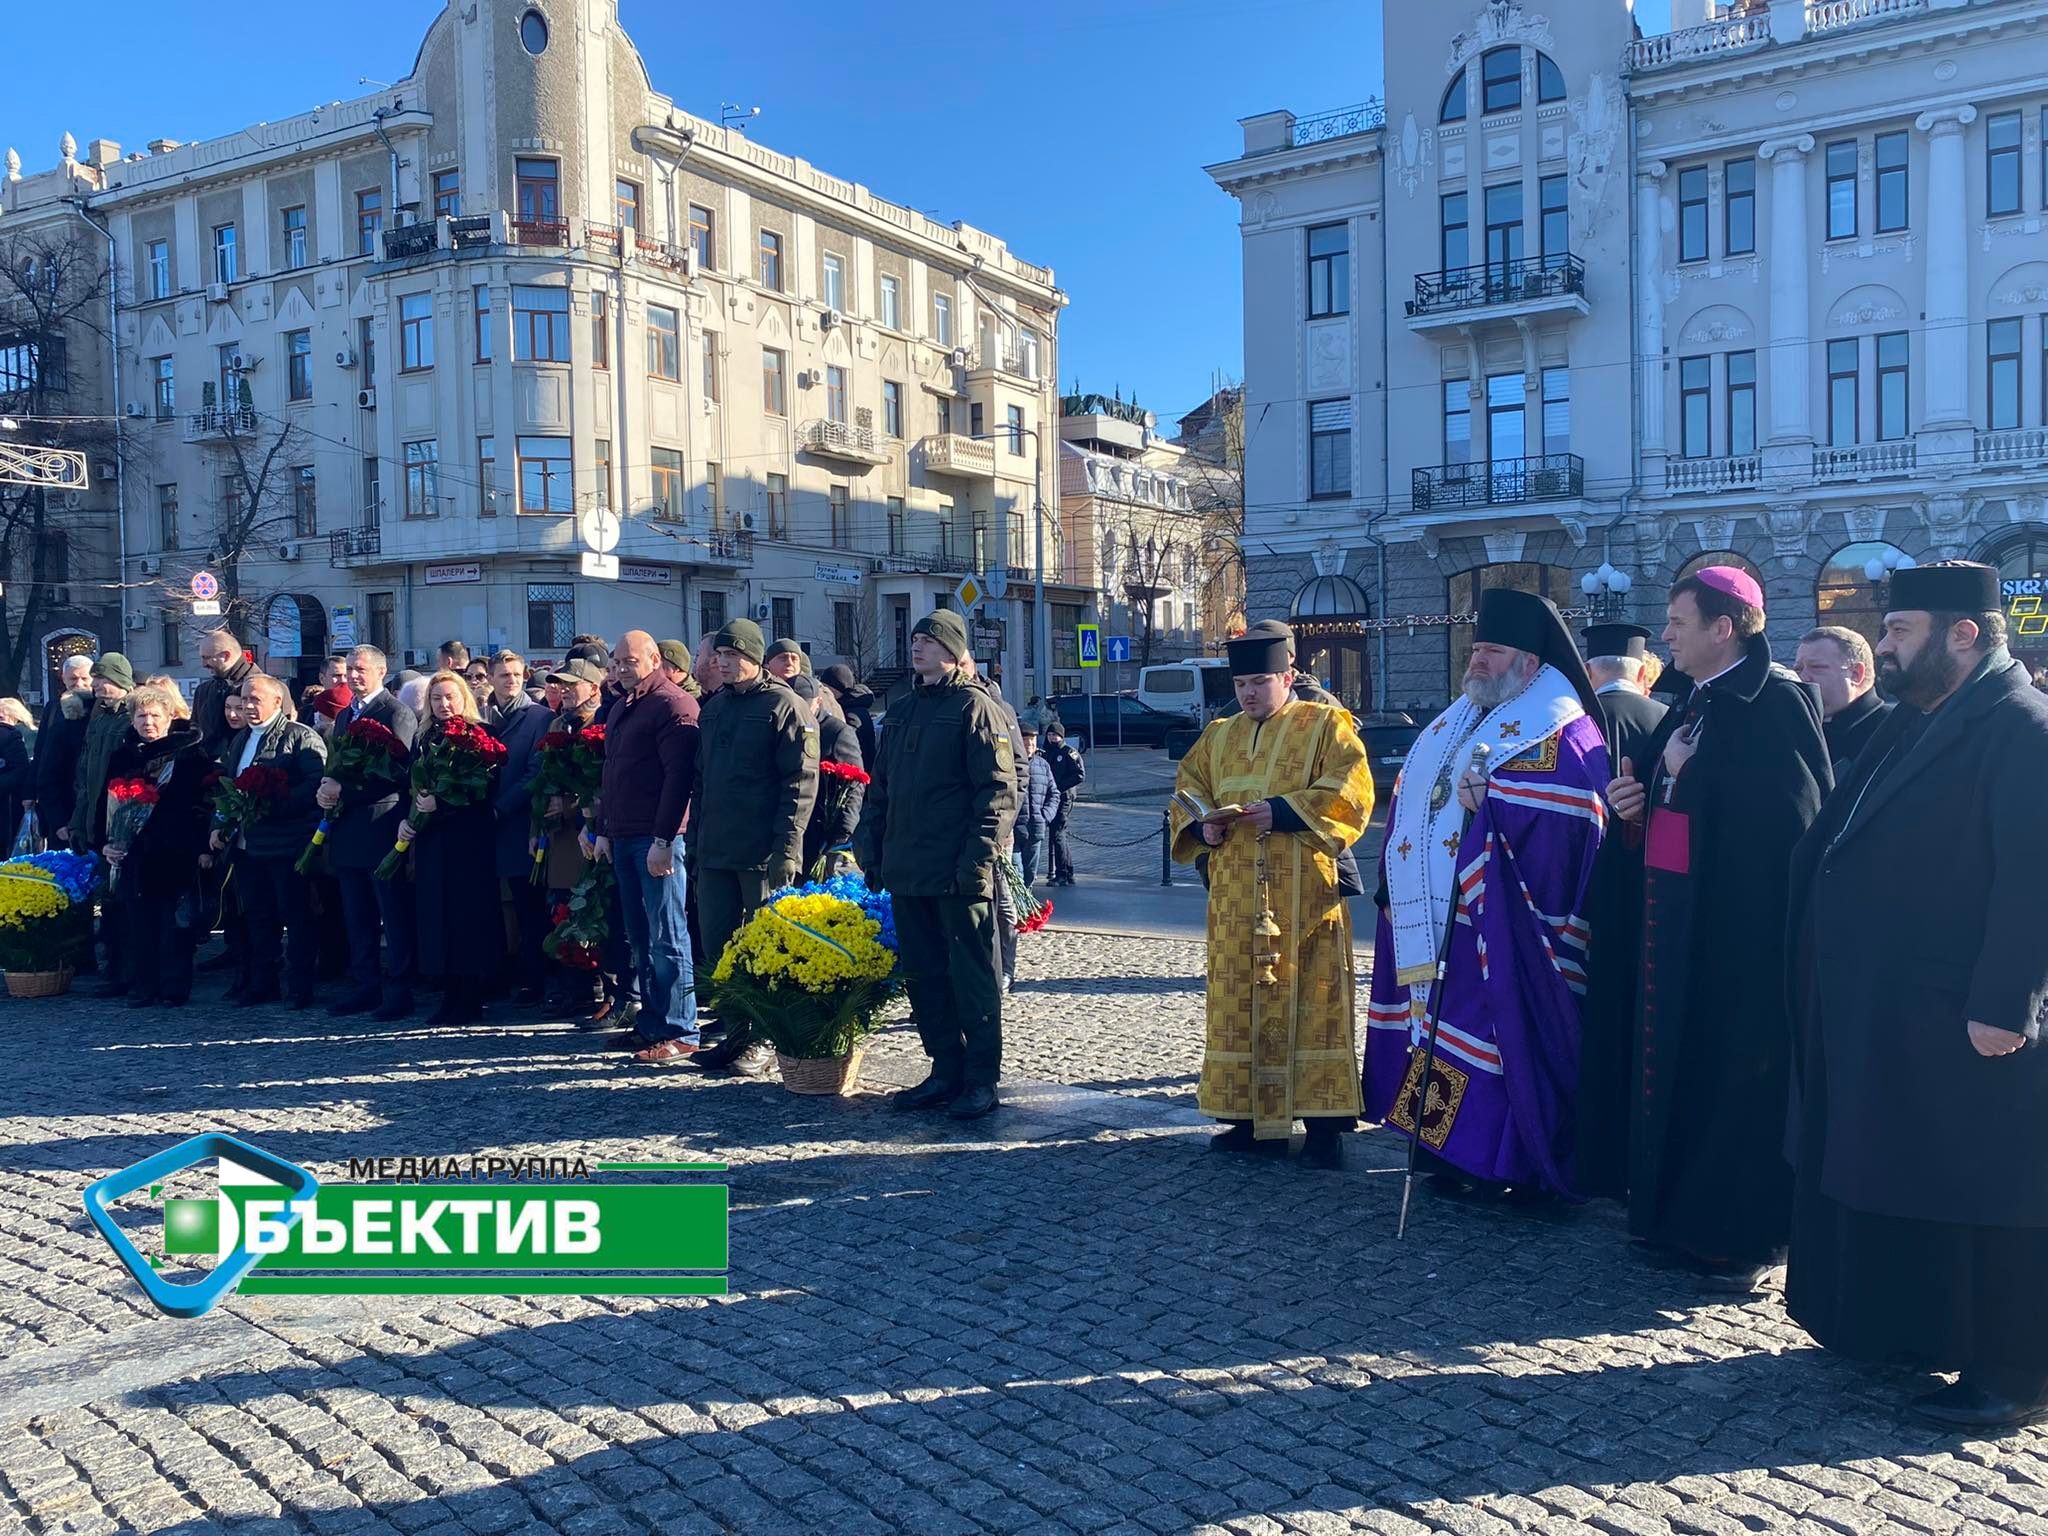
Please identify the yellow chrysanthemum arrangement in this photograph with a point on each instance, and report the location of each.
(812, 969)
(45, 910)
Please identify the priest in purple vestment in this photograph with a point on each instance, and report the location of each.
(1509, 834)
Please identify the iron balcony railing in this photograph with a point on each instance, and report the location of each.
(1498, 282)
(470, 230)
(1503, 482)
(354, 544)
(1366, 117)
(410, 240)
(540, 232)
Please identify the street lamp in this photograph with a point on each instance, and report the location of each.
(1607, 587)
(1041, 670)
(1891, 560)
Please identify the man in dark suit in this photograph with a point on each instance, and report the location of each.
(227, 668)
(273, 891)
(519, 723)
(1839, 664)
(365, 828)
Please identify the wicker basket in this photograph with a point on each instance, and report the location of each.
(832, 1076)
(38, 983)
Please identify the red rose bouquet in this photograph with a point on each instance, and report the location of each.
(571, 768)
(365, 756)
(129, 802)
(583, 922)
(455, 767)
(1033, 913)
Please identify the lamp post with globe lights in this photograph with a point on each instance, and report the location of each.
(1608, 589)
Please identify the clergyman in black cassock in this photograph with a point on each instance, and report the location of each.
(1920, 1223)
(1737, 775)
(1614, 659)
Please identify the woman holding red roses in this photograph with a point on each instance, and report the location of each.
(156, 899)
(452, 830)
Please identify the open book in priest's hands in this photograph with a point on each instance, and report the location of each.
(1216, 815)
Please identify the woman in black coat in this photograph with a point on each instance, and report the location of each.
(156, 895)
(461, 940)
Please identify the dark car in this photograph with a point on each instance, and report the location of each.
(1389, 737)
(1115, 719)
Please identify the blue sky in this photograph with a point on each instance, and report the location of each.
(1075, 131)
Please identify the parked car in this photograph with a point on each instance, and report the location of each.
(1389, 737)
(1199, 686)
(1116, 719)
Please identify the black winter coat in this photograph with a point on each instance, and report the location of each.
(757, 778)
(284, 830)
(210, 705)
(943, 794)
(365, 827)
(58, 744)
(837, 810)
(164, 860)
(17, 782)
(456, 900)
(520, 733)
(1916, 908)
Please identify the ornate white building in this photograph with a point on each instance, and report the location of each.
(521, 285)
(1769, 288)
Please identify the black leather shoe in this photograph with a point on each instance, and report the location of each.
(1323, 1152)
(1235, 1137)
(1967, 1405)
(355, 1002)
(929, 1094)
(974, 1102)
(728, 1049)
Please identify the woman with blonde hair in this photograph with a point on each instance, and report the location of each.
(451, 855)
(173, 694)
(156, 897)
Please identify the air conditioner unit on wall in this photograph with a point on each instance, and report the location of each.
(959, 357)
(242, 361)
(288, 550)
(138, 621)
(762, 611)
(830, 318)
(344, 358)
(217, 292)
(366, 399)
(138, 412)
(415, 658)
(152, 565)
(749, 521)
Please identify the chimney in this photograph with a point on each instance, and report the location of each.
(102, 153)
(162, 146)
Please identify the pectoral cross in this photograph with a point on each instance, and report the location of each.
(1512, 731)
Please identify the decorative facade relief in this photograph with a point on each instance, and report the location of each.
(1714, 531)
(1597, 119)
(1866, 524)
(1329, 357)
(1900, 246)
(1502, 21)
(1790, 524)
(1951, 521)
(1504, 548)
(1413, 154)
(1717, 323)
(1328, 556)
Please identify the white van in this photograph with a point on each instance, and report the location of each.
(1192, 688)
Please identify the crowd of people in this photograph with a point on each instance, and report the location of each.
(1763, 964)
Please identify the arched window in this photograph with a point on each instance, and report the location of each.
(1846, 593)
(1549, 79)
(1709, 557)
(1500, 80)
(1454, 100)
(1551, 581)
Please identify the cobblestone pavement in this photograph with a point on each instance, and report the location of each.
(1065, 1318)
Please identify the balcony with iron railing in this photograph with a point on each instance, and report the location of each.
(837, 440)
(1500, 483)
(1367, 116)
(539, 231)
(353, 545)
(1506, 290)
(218, 423)
(948, 453)
(410, 241)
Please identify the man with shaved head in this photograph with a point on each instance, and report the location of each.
(643, 807)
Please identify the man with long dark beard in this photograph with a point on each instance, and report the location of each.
(1920, 1216)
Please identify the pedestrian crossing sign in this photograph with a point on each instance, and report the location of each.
(1089, 639)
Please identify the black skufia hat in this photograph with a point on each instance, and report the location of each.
(1531, 623)
(1616, 640)
(1949, 586)
(1266, 648)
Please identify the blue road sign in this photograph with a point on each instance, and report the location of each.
(1089, 639)
(1119, 648)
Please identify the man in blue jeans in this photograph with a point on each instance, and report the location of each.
(643, 806)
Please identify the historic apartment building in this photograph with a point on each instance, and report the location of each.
(393, 366)
(1768, 289)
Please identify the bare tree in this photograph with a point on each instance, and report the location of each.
(53, 306)
(1214, 472)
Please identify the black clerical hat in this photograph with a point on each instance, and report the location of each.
(1531, 623)
(1616, 640)
(1949, 586)
(1267, 647)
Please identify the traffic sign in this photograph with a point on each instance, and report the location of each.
(968, 593)
(1089, 638)
(599, 528)
(205, 607)
(205, 586)
(600, 567)
(1119, 648)
(998, 583)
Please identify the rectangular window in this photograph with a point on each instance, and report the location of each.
(1329, 448)
(1500, 79)
(1842, 370)
(1555, 196)
(942, 320)
(305, 504)
(664, 343)
(665, 471)
(1507, 435)
(601, 470)
(835, 282)
(784, 623)
(895, 519)
(166, 389)
(842, 517)
(626, 204)
(945, 406)
(714, 496)
(373, 491)
(892, 407)
(423, 479)
(892, 303)
(974, 418)
(1893, 375)
(173, 642)
(167, 516)
(482, 294)
(844, 627)
(771, 382)
(415, 332)
(2002, 376)
(298, 363)
(1841, 164)
(775, 496)
(1557, 410)
(835, 394)
(1329, 270)
(547, 480)
(448, 193)
(944, 517)
(159, 263)
(366, 348)
(383, 617)
(707, 352)
(1503, 225)
(232, 385)
(225, 266)
(1741, 402)
(295, 236)
(1891, 181)
(1457, 421)
(537, 191)
(487, 476)
(703, 238)
(1692, 213)
(1013, 420)
(540, 324)
(710, 612)
(1695, 394)
(1738, 208)
(600, 330)
(369, 220)
(771, 261)
(1456, 247)
(2002, 163)
(550, 615)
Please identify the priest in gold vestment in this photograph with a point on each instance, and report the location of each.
(1287, 789)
